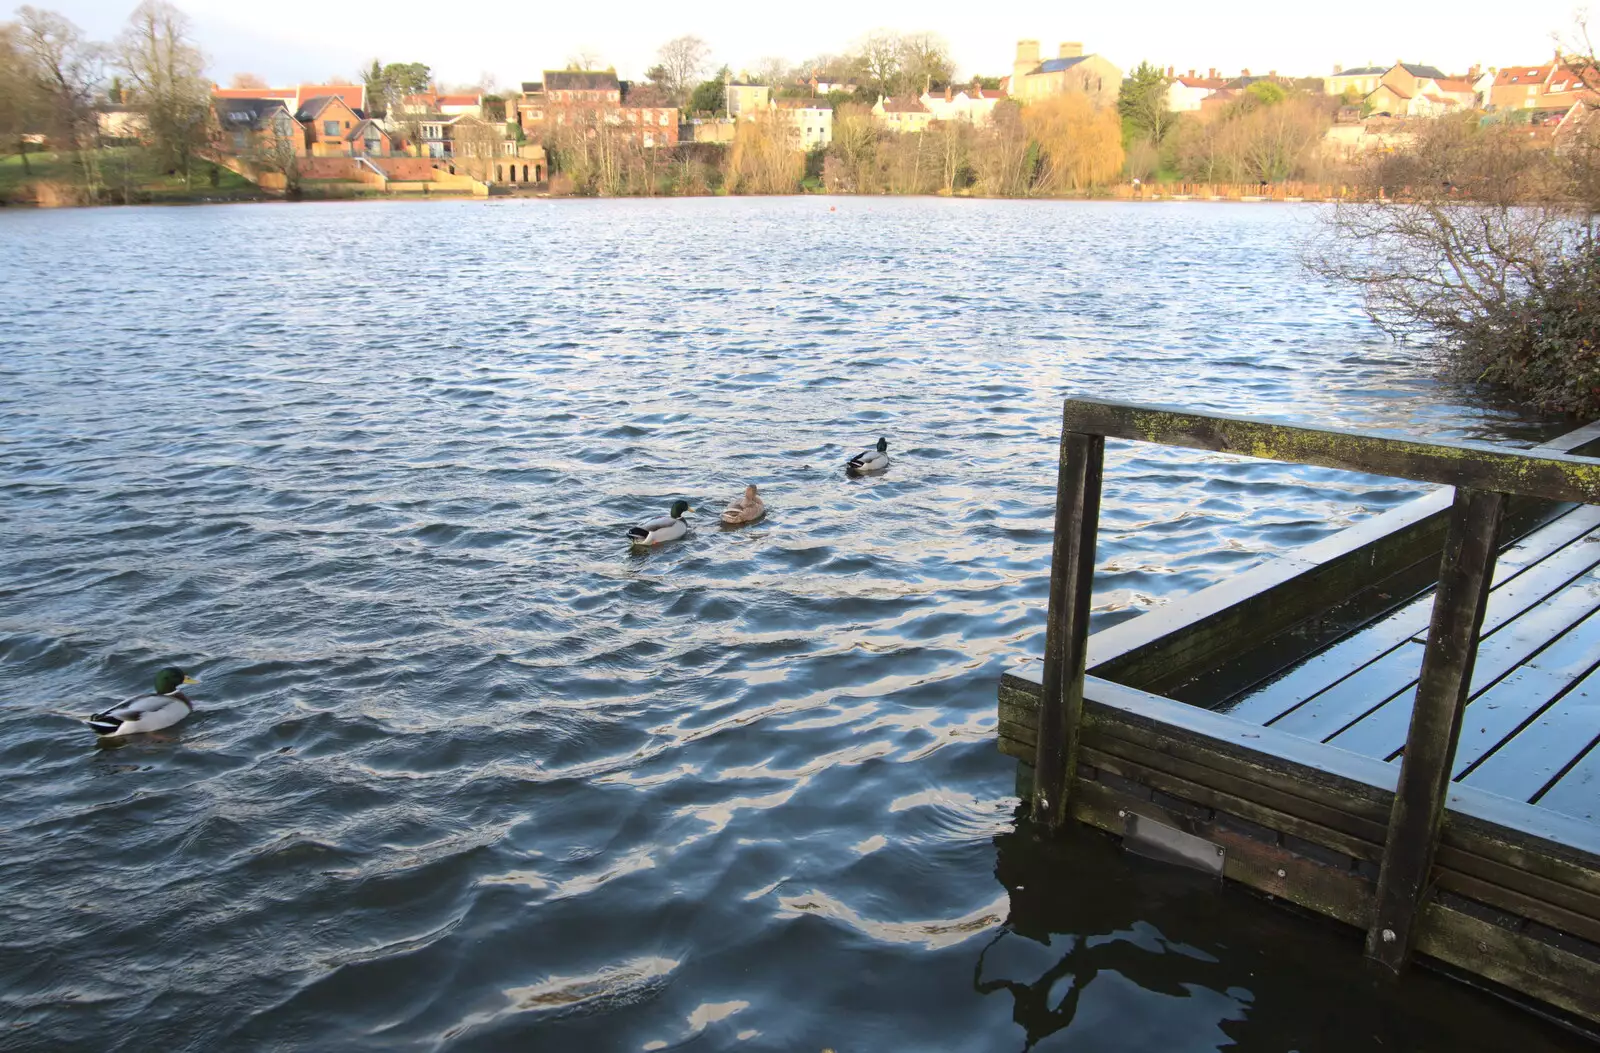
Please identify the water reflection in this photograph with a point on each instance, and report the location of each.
(1105, 950)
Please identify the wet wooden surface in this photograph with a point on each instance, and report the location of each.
(1531, 730)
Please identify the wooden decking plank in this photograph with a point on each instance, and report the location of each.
(1529, 760)
(1382, 732)
(1501, 710)
(1368, 687)
(1348, 656)
(1538, 581)
(1553, 534)
(1577, 793)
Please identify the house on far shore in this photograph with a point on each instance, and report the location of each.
(1360, 81)
(1409, 89)
(746, 100)
(257, 127)
(1185, 91)
(1071, 71)
(904, 114)
(368, 139)
(118, 120)
(354, 95)
(811, 119)
(973, 103)
(328, 121)
(1554, 87)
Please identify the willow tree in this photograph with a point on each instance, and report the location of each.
(167, 74)
(1080, 145)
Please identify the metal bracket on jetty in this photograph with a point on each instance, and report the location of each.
(1397, 726)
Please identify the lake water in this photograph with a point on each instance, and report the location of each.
(465, 773)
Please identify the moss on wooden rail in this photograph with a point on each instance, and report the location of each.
(1558, 477)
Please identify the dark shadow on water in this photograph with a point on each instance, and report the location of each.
(1103, 950)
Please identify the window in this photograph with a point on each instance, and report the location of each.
(330, 127)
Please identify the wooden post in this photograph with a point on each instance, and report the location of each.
(1067, 630)
(1465, 574)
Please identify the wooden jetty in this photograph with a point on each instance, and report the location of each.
(1397, 726)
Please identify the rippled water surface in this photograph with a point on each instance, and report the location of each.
(466, 774)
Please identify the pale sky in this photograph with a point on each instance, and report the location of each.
(292, 40)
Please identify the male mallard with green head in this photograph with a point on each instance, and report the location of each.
(668, 528)
(143, 713)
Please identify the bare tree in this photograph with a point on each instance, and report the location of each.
(682, 64)
(67, 71)
(22, 105)
(275, 149)
(584, 58)
(167, 73)
(877, 61)
(925, 61)
(1451, 227)
(247, 80)
(774, 72)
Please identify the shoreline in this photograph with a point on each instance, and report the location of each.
(266, 197)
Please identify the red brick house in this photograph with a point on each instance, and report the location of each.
(592, 100)
(328, 121)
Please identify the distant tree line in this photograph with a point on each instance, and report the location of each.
(54, 79)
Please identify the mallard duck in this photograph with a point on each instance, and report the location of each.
(668, 528)
(147, 712)
(746, 509)
(873, 460)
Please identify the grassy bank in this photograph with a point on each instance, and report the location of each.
(126, 175)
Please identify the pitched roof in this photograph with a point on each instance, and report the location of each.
(1056, 65)
(1523, 74)
(1428, 72)
(1197, 82)
(360, 130)
(311, 109)
(532, 87)
(802, 104)
(1363, 71)
(353, 95)
(235, 113)
(581, 80)
(903, 105)
(1459, 84)
(285, 94)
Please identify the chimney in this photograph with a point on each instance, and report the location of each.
(1028, 52)
(1169, 71)
(1070, 50)
(1211, 74)
(1191, 74)
(1337, 69)
(1272, 73)
(1244, 73)
(949, 93)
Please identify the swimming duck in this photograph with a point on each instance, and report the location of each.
(873, 460)
(668, 528)
(147, 712)
(746, 509)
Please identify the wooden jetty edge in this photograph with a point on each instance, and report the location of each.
(1113, 730)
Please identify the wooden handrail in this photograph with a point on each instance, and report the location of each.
(1555, 476)
(1482, 476)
